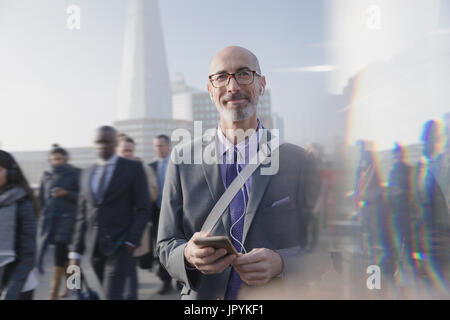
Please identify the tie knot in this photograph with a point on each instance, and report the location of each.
(235, 154)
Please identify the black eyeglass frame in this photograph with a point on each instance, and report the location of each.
(233, 75)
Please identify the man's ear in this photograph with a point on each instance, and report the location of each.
(209, 88)
(263, 85)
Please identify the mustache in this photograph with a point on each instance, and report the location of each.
(232, 96)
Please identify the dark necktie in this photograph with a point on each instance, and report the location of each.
(102, 184)
(237, 211)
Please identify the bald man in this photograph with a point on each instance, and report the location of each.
(265, 221)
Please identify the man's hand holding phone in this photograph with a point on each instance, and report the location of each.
(207, 259)
(259, 266)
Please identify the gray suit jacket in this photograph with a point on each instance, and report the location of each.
(277, 214)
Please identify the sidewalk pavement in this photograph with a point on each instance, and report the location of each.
(149, 283)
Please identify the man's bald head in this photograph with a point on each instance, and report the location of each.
(107, 129)
(236, 101)
(106, 142)
(232, 53)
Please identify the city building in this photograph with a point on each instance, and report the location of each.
(148, 104)
(144, 84)
(145, 100)
(143, 131)
(278, 123)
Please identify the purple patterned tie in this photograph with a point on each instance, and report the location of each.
(237, 211)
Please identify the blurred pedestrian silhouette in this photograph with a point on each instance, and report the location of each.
(431, 228)
(369, 199)
(58, 196)
(113, 211)
(18, 210)
(162, 146)
(126, 149)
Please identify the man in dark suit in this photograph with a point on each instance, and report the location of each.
(113, 209)
(266, 220)
(162, 146)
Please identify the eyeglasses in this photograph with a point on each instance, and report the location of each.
(242, 77)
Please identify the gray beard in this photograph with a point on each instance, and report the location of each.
(239, 114)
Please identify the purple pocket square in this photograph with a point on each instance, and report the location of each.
(284, 200)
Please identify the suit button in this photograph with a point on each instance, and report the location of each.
(218, 298)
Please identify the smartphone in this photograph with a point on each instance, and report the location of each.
(217, 243)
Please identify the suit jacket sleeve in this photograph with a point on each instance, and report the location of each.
(41, 194)
(171, 238)
(78, 244)
(308, 192)
(72, 193)
(142, 206)
(152, 183)
(26, 249)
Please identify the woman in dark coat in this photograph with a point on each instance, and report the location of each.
(18, 210)
(58, 199)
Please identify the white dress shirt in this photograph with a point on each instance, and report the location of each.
(102, 165)
(226, 147)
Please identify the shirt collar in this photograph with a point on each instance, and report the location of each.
(226, 145)
(110, 161)
(164, 159)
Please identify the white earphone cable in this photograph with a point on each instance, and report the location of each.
(244, 212)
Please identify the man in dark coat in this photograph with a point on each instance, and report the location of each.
(113, 209)
(162, 147)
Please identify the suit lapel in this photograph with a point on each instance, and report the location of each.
(258, 187)
(118, 172)
(211, 171)
(86, 184)
(213, 178)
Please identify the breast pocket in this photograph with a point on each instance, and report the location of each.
(281, 225)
